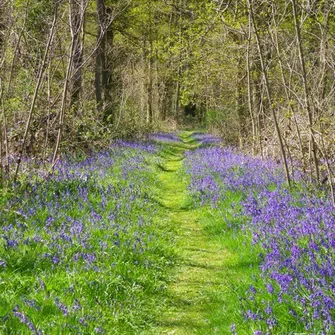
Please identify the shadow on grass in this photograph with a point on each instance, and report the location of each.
(164, 168)
(244, 264)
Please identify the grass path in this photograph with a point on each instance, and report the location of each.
(196, 294)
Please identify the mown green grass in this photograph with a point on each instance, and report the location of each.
(219, 279)
(240, 267)
(217, 262)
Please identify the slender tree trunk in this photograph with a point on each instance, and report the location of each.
(3, 131)
(287, 90)
(98, 86)
(150, 66)
(2, 31)
(107, 77)
(177, 96)
(167, 104)
(329, 171)
(77, 13)
(48, 114)
(257, 106)
(260, 121)
(103, 73)
(239, 102)
(36, 91)
(323, 56)
(6, 92)
(179, 20)
(150, 90)
(324, 75)
(63, 102)
(267, 89)
(306, 90)
(248, 69)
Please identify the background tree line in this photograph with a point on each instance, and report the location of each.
(75, 74)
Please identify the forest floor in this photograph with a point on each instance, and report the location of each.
(198, 291)
(164, 237)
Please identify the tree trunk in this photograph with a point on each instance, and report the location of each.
(103, 73)
(36, 91)
(239, 102)
(306, 90)
(150, 66)
(150, 90)
(287, 89)
(63, 102)
(268, 92)
(77, 12)
(251, 112)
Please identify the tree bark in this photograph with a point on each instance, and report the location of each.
(77, 13)
(150, 66)
(239, 102)
(248, 69)
(63, 102)
(268, 92)
(287, 89)
(36, 91)
(306, 90)
(103, 72)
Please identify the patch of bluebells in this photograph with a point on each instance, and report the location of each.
(295, 229)
(95, 163)
(224, 169)
(206, 139)
(165, 137)
(82, 239)
(25, 320)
